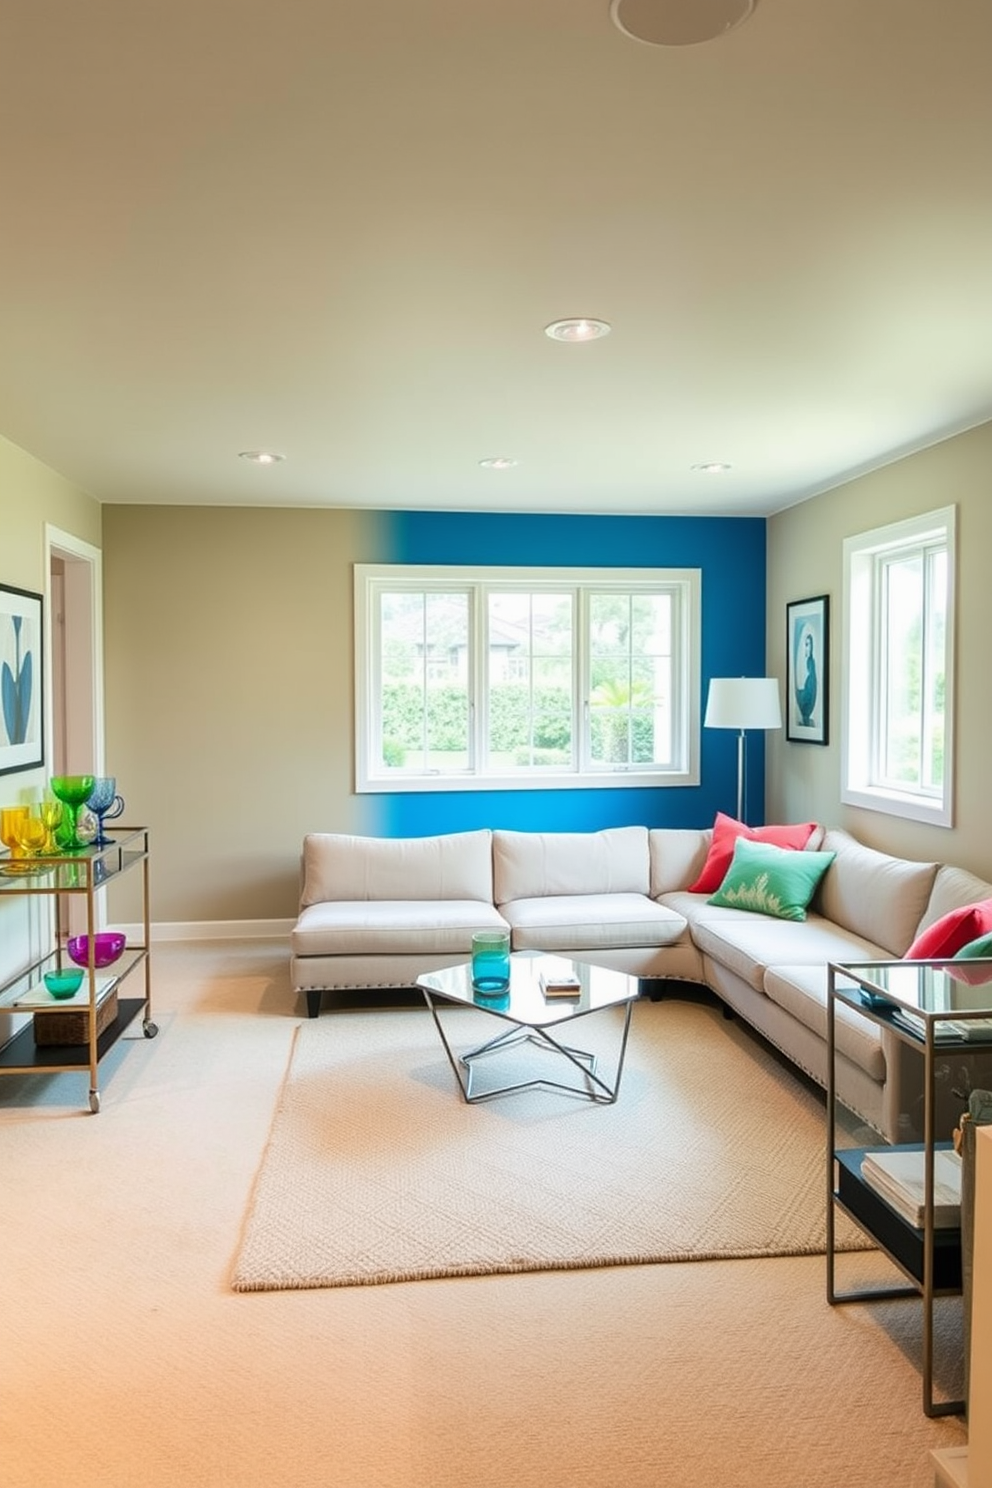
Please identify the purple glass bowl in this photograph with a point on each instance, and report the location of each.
(107, 946)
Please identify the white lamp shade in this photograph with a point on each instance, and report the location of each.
(743, 703)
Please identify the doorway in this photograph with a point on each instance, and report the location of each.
(75, 669)
(74, 695)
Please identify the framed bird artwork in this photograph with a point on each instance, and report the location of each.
(807, 650)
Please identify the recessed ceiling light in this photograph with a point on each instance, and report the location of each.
(261, 457)
(713, 467)
(577, 330)
(497, 462)
(678, 22)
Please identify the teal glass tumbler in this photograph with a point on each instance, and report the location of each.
(491, 962)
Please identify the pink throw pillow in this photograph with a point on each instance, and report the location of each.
(947, 936)
(726, 831)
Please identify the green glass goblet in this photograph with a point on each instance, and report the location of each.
(73, 791)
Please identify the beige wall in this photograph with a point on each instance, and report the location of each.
(228, 660)
(32, 496)
(805, 558)
(228, 664)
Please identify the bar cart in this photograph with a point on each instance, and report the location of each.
(79, 875)
(940, 1014)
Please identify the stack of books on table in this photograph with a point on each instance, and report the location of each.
(946, 1030)
(559, 978)
(898, 1174)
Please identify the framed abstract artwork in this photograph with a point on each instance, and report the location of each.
(807, 674)
(22, 745)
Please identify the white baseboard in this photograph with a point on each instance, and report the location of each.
(212, 930)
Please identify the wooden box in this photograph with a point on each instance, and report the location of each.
(72, 1025)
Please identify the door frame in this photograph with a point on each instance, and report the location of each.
(74, 677)
(74, 660)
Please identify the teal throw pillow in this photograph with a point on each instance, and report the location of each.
(771, 880)
(976, 949)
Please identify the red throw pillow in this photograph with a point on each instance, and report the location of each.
(726, 831)
(947, 936)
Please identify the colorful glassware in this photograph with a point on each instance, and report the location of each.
(11, 818)
(51, 811)
(105, 804)
(31, 832)
(73, 791)
(108, 945)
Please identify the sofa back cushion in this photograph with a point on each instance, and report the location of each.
(530, 865)
(677, 857)
(455, 865)
(953, 888)
(876, 896)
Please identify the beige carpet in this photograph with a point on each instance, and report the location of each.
(377, 1171)
(129, 1359)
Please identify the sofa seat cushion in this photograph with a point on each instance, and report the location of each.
(392, 927)
(802, 991)
(580, 922)
(748, 944)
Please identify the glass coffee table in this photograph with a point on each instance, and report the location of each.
(533, 1017)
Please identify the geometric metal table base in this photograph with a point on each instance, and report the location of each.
(593, 1087)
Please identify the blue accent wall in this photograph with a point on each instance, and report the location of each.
(730, 552)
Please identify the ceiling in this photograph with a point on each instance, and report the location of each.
(338, 231)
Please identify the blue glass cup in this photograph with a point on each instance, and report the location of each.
(105, 804)
(491, 962)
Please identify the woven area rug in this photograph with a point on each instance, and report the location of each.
(377, 1171)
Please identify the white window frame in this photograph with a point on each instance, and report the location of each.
(685, 583)
(861, 783)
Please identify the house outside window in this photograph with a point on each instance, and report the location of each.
(517, 678)
(899, 652)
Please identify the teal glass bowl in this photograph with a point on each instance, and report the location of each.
(64, 983)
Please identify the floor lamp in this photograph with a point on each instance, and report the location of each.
(743, 703)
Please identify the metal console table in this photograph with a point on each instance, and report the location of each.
(82, 874)
(931, 1008)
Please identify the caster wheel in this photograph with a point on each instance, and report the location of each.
(149, 1029)
(94, 1101)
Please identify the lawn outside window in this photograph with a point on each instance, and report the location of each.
(516, 678)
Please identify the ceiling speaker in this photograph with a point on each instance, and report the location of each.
(678, 22)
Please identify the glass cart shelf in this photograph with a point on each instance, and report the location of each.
(930, 1009)
(81, 874)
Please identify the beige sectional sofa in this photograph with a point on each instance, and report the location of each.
(376, 912)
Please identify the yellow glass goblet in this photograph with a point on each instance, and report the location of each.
(51, 811)
(10, 819)
(31, 833)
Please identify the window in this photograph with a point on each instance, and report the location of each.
(515, 678)
(899, 644)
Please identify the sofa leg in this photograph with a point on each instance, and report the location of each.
(313, 1002)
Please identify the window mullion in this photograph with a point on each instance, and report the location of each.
(582, 682)
(478, 698)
